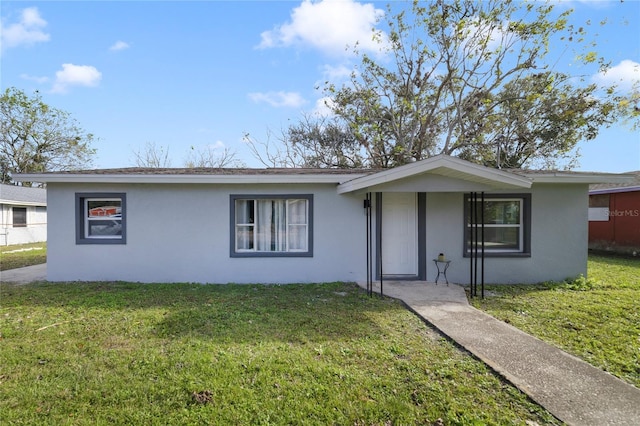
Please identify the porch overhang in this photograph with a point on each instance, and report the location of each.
(442, 166)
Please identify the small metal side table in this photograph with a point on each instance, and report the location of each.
(444, 264)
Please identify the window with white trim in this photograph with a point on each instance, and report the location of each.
(271, 225)
(100, 218)
(507, 225)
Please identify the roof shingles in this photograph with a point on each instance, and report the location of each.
(23, 194)
(215, 171)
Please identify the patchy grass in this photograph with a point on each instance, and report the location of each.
(596, 319)
(18, 256)
(122, 353)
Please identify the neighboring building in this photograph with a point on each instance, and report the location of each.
(614, 217)
(23, 215)
(315, 225)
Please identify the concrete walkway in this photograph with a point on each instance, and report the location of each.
(569, 388)
(24, 275)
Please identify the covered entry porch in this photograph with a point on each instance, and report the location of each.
(418, 211)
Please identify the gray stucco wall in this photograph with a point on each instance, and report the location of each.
(558, 237)
(180, 233)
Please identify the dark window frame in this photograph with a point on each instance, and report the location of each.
(81, 237)
(23, 214)
(526, 226)
(232, 225)
(599, 200)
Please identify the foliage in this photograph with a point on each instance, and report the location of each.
(539, 120)
(470, 78)
(124, 353)
(35, 137)
(594, 318)
(21, 255)
(581, 283)
(315, 142)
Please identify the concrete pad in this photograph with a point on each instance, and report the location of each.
(24, 275)
(571, 389)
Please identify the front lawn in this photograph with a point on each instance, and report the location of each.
(597, 319)
(18, 256)
(122, 353)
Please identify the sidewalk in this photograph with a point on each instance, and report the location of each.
(24, 275)
(572, 390)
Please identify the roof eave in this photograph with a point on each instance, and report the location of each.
(23, 203)
(184, 179)
(614, 190)
(492, 177)
(589, 178)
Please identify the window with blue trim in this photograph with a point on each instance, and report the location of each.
(507, 225)
(101, 218)
(271, 225)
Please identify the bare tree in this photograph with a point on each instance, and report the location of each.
(212, 157)
(273, 154)
(153, 156)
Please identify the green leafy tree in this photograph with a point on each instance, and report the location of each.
(537, 119)
(474, 79)
(35, 137)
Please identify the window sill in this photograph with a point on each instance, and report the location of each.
(489, 254)
(101, 241)
(271, 254)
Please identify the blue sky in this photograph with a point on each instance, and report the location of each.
(203, 73)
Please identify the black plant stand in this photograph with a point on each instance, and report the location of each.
(444, 264)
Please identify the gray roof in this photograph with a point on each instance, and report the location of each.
(310, 175)
(12, 194)
(214, 171)
(619, 187)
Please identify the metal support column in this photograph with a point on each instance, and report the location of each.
(476, 242)
(368, 222)
(379, 219)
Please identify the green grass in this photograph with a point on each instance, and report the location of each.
(596, 319)
(18, 256)
(122, 353)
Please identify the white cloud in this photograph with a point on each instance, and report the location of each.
(595, 4)
(28, 31)
(625, 75)
(328, 25)
(75, 75)
(339, 72)
(39, 80)
(278, 99)
(323, 107)
(119, 45)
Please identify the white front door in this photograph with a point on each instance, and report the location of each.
(399, 234)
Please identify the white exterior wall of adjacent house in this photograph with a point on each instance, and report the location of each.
(181, 233)
(35, 230)
(558, 237)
